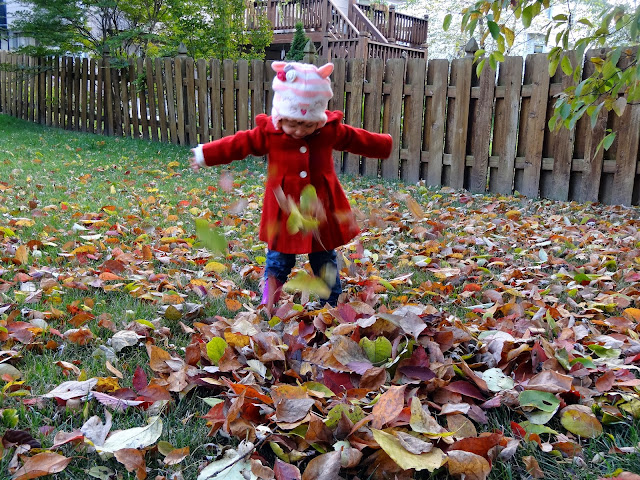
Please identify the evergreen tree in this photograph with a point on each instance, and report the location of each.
(296, 52)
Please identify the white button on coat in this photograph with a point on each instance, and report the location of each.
(303, 149)
(303, 174)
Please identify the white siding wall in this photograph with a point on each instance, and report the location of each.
(15, 40)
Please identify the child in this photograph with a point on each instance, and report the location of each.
(298, 139)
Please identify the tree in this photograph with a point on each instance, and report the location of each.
(296, 52)
(74, 26)
(217, 28)
(209, 28)
(617, 72)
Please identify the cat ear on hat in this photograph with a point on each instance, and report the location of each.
(278, 66)
(325, 70)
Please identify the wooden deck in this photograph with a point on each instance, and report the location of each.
(365, 32)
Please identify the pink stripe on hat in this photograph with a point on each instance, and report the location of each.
(302, 91)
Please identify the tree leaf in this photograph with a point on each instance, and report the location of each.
(447, 22)
(406, 460)
(378, 350)
(580, 420)
(388, 407)
(41, 465)
(210, 237)
(467, 465)
(215, 349)
(137, 437)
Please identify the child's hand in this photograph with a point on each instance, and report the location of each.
(194, 164)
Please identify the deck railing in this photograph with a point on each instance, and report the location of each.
(325, 16)
(397, 27)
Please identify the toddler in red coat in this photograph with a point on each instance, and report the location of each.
(299, 138)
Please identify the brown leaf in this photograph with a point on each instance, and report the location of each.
(133, 461)
(286, 471)
(478, 445)
(388, 407)
(41, 465)
(413, 444)
(605, 382)
(550, 381)
(532, 466)
(461, 426)
(292, 410)
(467, 465)
(176, 456)
(323, 467)
(373, 378)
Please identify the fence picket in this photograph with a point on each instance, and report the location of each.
(372, 91)
(456, 130)
(242, 102)
(337, 101)
(151, 99)
(481, 119)
(626, 148)
(392, 113)
(215, 93)
(202, 94)
(555, 183)
(353, 114)
(257, 91)
(142, 96)
(412, 128)
(171, 100)
(434, 119)
(228, 98)
(533, 124)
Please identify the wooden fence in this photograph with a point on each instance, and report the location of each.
(449, 127)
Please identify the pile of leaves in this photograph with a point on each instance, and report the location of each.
(456, 306)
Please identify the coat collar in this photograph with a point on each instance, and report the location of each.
(264, 121)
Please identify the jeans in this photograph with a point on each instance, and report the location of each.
(279, 265)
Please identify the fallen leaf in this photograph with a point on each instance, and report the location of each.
(467, 465)
(41, 465)
(425, 461)
(580, 420)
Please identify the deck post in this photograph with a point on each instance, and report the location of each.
(362, 50)
(271, 11)
(325, 12)
(392, 24)
(325, 46)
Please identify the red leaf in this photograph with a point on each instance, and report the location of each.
(286, 471)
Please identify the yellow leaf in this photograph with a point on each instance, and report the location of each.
(84, 249)
(25, 222)
(236, 340)
(22, 254)
(405, 459)
(215, 267)
(580, 420)
(632, 314)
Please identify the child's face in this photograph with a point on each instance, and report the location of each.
(297, 128)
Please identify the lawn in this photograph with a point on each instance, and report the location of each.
(479, 336)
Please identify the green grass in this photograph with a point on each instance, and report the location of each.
(58, 186)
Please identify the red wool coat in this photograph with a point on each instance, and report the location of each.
(293, 164)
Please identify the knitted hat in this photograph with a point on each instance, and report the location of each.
(302, 92)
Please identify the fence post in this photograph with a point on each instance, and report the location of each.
(310, 54)
(108, 98)
(182, 55)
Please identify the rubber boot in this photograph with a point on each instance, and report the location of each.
(271, 291)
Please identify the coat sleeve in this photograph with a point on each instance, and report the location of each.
(362, 142)
(235, 147)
